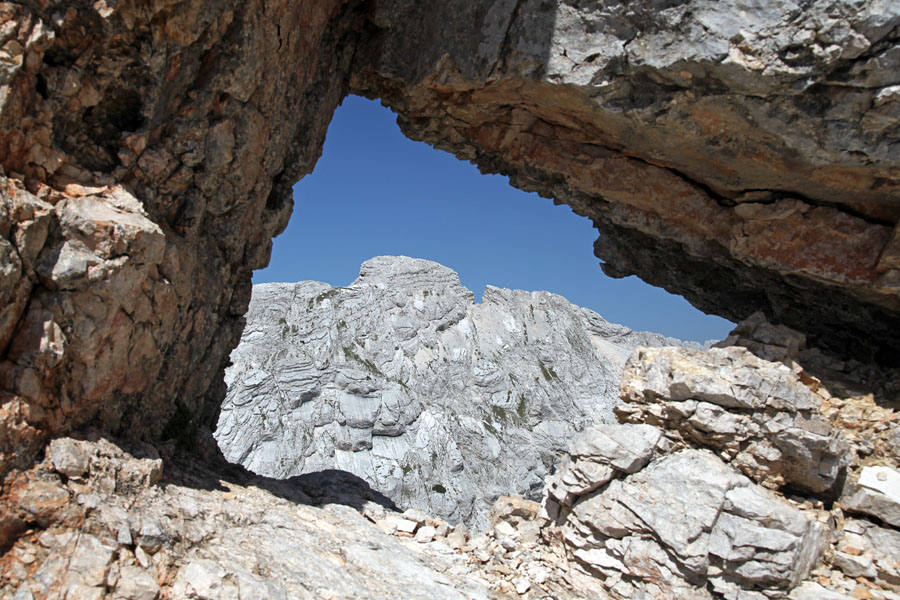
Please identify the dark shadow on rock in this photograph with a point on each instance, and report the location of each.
(842, 377)
(331, 486)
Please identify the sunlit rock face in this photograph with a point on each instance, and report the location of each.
(400, 378)
(741, 155)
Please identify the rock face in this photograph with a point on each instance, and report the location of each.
(146, 163)
(741, 154)
(147, 155)
(399, 378)
(653, 512)
(754, 413)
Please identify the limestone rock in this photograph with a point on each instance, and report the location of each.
(595, 457)
(756, 414)
(399, 378)
(685, 520)
(220, 532)
(877, 493)
(218, 535)
(729, 224)
(866, 550)
(742, 154)
(68, 457)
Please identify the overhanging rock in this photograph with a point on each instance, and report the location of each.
(748, 163)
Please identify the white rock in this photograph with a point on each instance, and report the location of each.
(522, 585)
(68, 457)
(405, 525)
(425, 534)
(135, 583)
(877, 493)
(401, 379)
(756, 413)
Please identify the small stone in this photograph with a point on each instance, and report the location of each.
(142, 557)
(504, 529)
(443, 529)
(512, 506)
(405, 525)
(388, 526)
(135, 584)
(425, 534)
(522, 585)
(42, 500)
(855, 566)
(68, 458)
(539, 574)
(415, 515)
(877, 493)
(458, 537)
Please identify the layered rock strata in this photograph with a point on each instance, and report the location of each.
(672, 502)
(401, 379)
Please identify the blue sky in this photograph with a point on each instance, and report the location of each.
(376, 192)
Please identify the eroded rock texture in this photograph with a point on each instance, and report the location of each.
(672, 502)
(400, 379)
(742, 154)
(147, 154)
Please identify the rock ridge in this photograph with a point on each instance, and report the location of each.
(400, 378)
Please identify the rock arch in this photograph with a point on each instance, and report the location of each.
(148, 151)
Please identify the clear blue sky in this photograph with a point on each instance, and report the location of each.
(376, 192)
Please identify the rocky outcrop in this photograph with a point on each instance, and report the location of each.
(401, 379)
(100, 526)
(672, 503)
(147, 155)
(755, 414)
(741, 154)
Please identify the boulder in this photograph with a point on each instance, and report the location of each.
(685, 521)
(757, 415)
(876, 493)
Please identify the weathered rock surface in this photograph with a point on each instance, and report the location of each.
(688, 521)
(399, 378)
(124, 530)
(727, 151)
(756, 414)
(646, 506)
(877, 493)
(742, 154)
(147, 154)
(199, 536)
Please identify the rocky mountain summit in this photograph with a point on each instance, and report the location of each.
(401, 379)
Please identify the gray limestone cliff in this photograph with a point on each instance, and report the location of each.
(400, 378)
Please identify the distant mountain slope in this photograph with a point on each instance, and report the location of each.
(437, 402)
